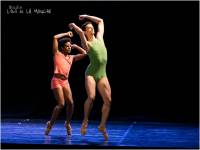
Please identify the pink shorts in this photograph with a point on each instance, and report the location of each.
(58, 83)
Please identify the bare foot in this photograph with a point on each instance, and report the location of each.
(84, 128)
(68, 128)
(104, 132)
(48, 128)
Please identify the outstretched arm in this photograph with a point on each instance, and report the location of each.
(80, 32)
(56, 37)
(81, 50)
(98, 21)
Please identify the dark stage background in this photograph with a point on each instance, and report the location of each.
(152, 59)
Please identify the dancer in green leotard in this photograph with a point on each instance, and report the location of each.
(98, 60)
(96, 70)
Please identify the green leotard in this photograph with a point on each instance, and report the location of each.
(98, 59)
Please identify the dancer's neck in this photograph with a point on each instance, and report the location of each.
(91, 38)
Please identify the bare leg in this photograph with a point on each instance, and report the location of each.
(70, 108)
(57, 109)
(105, 91)
(70, 103)
(90, 86)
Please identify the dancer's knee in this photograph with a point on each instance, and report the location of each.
(70, 103)
(107, 102)
(59, 106)
(91, 98)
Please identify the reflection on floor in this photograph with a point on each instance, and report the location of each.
(19, 133)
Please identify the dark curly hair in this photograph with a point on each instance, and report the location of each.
(62, 42)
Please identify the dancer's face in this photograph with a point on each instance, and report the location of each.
(89, 30)
(67, 48)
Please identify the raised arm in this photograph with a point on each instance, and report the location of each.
(56, 37)
(98, 21)
(80, 32)
(82, 54)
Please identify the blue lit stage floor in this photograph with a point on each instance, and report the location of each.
(18, 133)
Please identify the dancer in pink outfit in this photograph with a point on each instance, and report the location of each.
(59, 84)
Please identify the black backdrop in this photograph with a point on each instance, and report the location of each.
(152, 59)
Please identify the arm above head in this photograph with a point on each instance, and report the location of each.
(92, 18)
(80, 32)
(98, 21)
(56, 37)
(82, 51)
